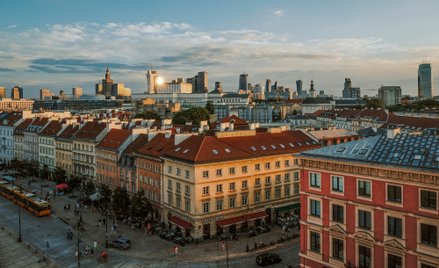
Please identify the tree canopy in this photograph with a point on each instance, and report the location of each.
(149, 114)
(193, 115)
(121, 202)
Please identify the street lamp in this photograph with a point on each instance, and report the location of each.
(106, 228)
(247, 247)
(19, 224)
(79, 254)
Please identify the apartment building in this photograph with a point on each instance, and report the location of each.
(31, 140)
(47, 144)
(64, 148)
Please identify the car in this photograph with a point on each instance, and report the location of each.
(267, 259)
(120, 242)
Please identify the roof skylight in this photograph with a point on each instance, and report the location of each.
(214, 151)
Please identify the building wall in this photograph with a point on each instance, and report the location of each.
(6, 143)
(30, 147)
(84, 158)
(47, 152)
(378, 238)
(106, 167)
(7, 104)
(64, 155)
(149, 179)
(19, 146)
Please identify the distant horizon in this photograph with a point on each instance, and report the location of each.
(62, 44)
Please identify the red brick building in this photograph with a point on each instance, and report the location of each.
(371, 203)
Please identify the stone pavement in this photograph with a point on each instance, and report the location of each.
(17, 255)
(155, 251)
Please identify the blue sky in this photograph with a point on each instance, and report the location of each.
(61, 44)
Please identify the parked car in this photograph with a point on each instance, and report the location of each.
(120, 242)
(267, 259)
(263, 229)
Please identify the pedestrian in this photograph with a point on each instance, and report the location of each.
(104, 221)
(100, 223)
(47, 244)
(95, 244)
(91, 252)
(28, 184)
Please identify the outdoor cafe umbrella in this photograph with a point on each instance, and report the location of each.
(62, 186)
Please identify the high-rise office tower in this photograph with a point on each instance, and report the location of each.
(76, 92)
(151, 77)
(202, 82)
(17, 93)
(2, 92)
(349, 91)
(243, 83)
(267, 85)
(45, 94)
(425, 81)
(390, 95)
(299, 87)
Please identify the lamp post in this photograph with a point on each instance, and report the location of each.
(227, 247)
(247, 247)
(106, 228)
(19, 224)
(77, 248)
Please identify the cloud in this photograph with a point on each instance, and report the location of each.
(12, 26)
(6, 69)
(51, 65)
(278, 13)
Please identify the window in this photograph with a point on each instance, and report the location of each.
(257, 182)
(170, 201)
(177, 187)
(267, 165)
(244, 184)
(178, 201)
(187, 189)
(206, 174)
(287, 176)
(394, 261)
(257, 197)
(315, 241)
(394, 226)
(296, 175)
(296, 188)
(219, 204)
(287, 163)
(277, 164)
(169, 184)
(337, 249)
(219, 172)
(232, 202)
(364, 188)
(267, 194)
(257, 167)
(314, 180)
(232, 171)
(394, 193)
(277, 193)
(219, 188)
(364, 257)
(278, 178)
(232, 186)
(244, 199)
(178, 172)
(428, 199)
(315, 208)
(337, 213)
(187, 204)
(206, 206)
(205, 190)
(364, 219)
(337, 184)
(429, 234)
(186, 174)
(267, 180)
(244, 169)
(287, 190)
(423, 265)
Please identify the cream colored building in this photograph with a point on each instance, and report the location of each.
(64, 147)
(232, 180)
(7, 104)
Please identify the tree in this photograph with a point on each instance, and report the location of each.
(294, 112)
(121, 202)
(59, 175)
(148, 115)
(89, 188)
(374, 103)
(140, 207)
(209, 107)
(105, 195)
(74, 182)
(193, 115)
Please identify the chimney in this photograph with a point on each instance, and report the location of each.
(391, 133)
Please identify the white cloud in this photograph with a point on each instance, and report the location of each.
(278, 13)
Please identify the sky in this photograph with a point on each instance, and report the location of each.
(61, 44)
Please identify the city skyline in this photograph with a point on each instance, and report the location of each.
(60, 45)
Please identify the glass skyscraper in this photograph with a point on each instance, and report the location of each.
(425, 83)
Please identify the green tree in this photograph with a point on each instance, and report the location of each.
(105, 195)
(140, 207)
(74, 182)
(121, 202)
(294, 112)
(59, 175)
(209, 107)
(148, 115)
(374, 103)
(89, 188)
(193, 115)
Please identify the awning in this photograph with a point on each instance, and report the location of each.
(241, 219)
(290, 207)
(180, 222)
(8, 178)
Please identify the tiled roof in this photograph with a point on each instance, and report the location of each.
(376, 114)
(201, 149)
(415, 151)
(236, 120)
(9, 119)
(333, 133)
(23, 125)
(69, 131)
(158, 145)
(52, 128)
(40, 121)
(419, 122)
(114, 138)
(90, 130)
(136, 144)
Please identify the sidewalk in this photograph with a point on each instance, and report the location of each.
(149, 248)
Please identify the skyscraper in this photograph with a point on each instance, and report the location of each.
(299, 87)
(425, 83)
(202, 82)
(105, 87)
(349, 91)
(17, 93)
(76, 92)
(2, 92)
(390, 95)
(151, 77)
(45, 94)
(243, 84)
(267, 85)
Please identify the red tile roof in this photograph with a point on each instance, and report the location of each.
(136, 144)
(419, 122)
(40, 121)
(114, 138)
(90, 130)
(239, 123)
(69, 131)
(52, 128)
(201, 149)
(23, 125)
(158, 145)
(11, 119)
